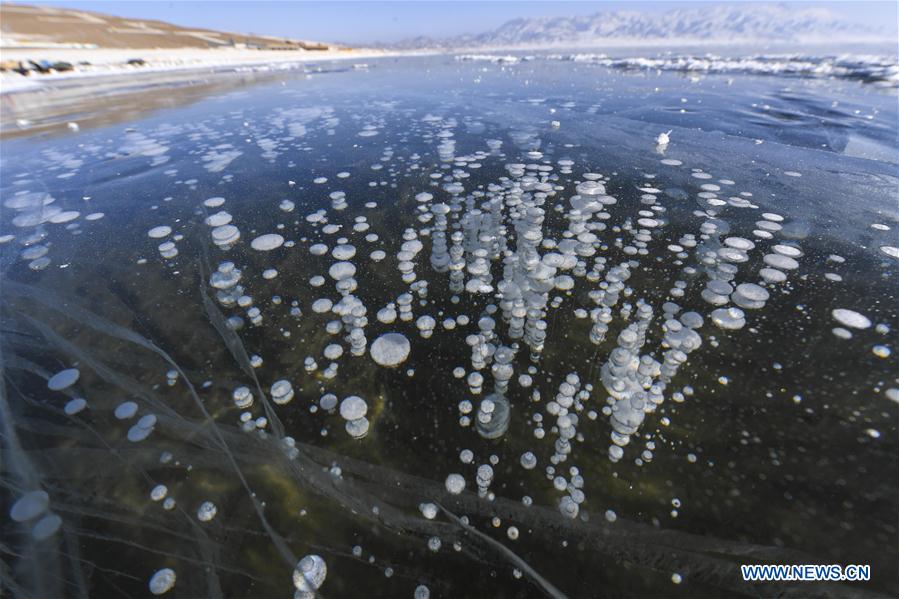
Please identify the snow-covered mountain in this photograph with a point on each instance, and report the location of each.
(712, 24)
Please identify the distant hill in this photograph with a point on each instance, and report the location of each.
(43, 26)
(723, 23)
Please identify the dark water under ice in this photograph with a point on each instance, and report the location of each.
(784, 453)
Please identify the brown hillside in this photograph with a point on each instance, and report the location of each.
(43, 25)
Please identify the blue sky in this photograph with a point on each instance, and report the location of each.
(359, 22)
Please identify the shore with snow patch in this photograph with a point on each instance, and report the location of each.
(89, 63)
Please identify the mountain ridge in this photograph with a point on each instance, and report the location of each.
(720, 23)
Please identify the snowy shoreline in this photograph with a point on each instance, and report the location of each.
(113, 62)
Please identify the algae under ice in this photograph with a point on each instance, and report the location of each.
(455, 328)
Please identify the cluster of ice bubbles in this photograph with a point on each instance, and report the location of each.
(353, 409)
(32, 212)
(33, 508)
(167, 249)
(224, 234)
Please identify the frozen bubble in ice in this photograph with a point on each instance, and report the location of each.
(214, 202)
(357, 428)
(493, 416)
(424, 196)
(750, 296)
(225, 235)
(353, 408)
(282, 391)
(428, 510)
(387, 314)
(753, 291)
(162, 581)
(126, 410)
(75, 406)
(772, 275)
(691, 320)
(39, 264)
(63, 379)
(342, 270)
(390, 349)
(168, 250)
(159, 232)
(426, 325)
(842, 333)
(739, 243)
(242, 397)
(889, 250)
(881, 351)
(729, 318)
(328, 402)
(267, 242)
(159, 492)
(46, 527)
(611, 516)
(455, 483)
(787, 250)
(343, 252)
(781, 262)
(206, 511)
(851, 318)
(378, 255)
(333, 351)
(719, 287)
(320, 306)
(309, 575)
(732, 255)
(34, 252)
(318, 249)
(218, 219)
(29, 506)
(142, 429)
(528, 460)
(269, 273)
(421, 592)
(568, 507)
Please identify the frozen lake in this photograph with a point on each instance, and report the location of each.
(455, 327)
